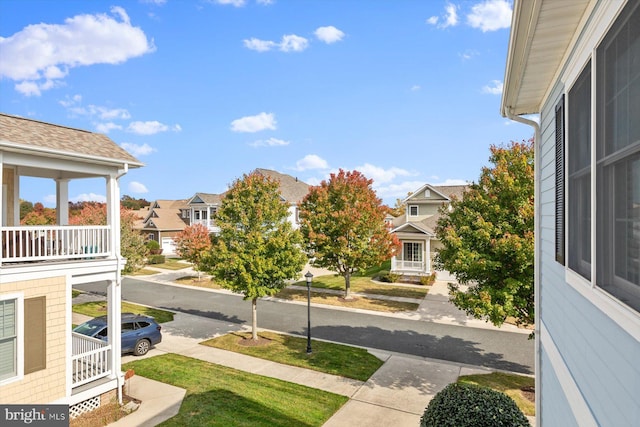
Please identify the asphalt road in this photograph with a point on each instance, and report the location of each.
(482, 347)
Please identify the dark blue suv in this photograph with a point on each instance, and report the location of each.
(139, 332)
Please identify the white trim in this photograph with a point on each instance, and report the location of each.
(579, 407)
(409, 210)
(19, 297)
(627, 318)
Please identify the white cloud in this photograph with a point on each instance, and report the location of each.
(449, 19)
(138, 150)
(71, 101)
(293, 43)
(40, 55)
(265, 2)
(259, 45)
(311, 161)
(255, 123)
(289, 43)
(151, 127)
(155, 2)
(73, 105)
(107, 127)
(271, 142)
(50, 199)
(468, 54)
(89, 197)
(329, 34)
(234, 3)
(137, 187)
(381, 175)
(494, 88)
(490, 15)
(415, 88)
(397, 191)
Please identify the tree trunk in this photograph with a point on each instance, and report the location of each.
(347, 286)
(254, 319)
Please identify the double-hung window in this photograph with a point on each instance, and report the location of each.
(603, 167)
(10, 338)
(618, 158)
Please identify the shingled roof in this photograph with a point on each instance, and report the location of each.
(291, 189)
(20, 133)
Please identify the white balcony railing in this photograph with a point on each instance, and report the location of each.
(402, 265)
(209, 223)
(35, 243)
(89, 360)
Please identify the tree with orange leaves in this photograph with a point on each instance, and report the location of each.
(342, 222)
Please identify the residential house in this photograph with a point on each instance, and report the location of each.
(202, 208)
(163, 220)
(415, 229)
(292, 191)
(41, 359)
(577, 64)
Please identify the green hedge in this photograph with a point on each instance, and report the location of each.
(156, 259)
(467, 405)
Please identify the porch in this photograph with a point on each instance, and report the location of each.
(52, 243)
(89, 360)
(399, 265)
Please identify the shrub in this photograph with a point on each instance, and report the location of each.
(156, 259)
(153, 244)
(467, 405)
(387, 277)
(428, 280)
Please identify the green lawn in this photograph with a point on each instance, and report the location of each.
(144, 272)
(221, 396)
(359, 302)
(509, 384)
(99, 308)
(335, 359)
(171, 264)
(366, 286)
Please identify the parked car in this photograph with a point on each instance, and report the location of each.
(139, 332)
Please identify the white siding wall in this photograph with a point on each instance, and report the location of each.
(601, 358)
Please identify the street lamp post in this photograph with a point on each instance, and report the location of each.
(309, 278)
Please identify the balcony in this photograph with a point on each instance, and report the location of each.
(52, 243)
(89, 360)
(209, 223)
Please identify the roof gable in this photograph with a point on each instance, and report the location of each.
(420, 196)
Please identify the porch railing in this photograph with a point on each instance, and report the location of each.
(402, 265)
(89, 360)
(33, 243)
(209, 223)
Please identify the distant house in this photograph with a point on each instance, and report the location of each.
(577, 64)
(41, 360)
(202, 208)
(415, 229)
(163, 220)
(292, 191)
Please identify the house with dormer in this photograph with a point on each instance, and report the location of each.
(41, 360)
(415, 229)
(163, 220)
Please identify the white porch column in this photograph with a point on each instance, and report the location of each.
(427, 247)
(113, 214)
(62, 201)
(114, 295)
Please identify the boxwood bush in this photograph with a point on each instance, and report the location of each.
(468, 405)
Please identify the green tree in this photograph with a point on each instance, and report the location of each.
(257, 250)
(39, 216)
(132, 242)
(25, 208)
(487, 239)
(342, 222)
(192, 244)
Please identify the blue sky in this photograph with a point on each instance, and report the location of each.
(407, 92)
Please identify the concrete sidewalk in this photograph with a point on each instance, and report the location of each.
(396, 394)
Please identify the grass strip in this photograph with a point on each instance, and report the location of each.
(99, 308)
(330, 358)
(221, 396)
(510, 384)
(366, 286)
(359, 302)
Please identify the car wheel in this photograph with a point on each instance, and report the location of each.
(142, 347)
